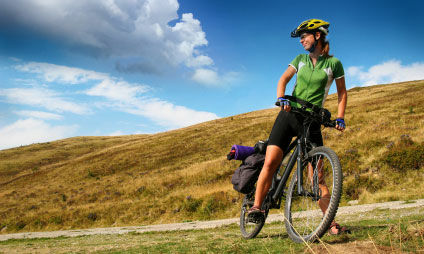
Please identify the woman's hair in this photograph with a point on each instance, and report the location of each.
(325, 46)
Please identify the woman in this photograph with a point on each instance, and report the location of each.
(315, 73)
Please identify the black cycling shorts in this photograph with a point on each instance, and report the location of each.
(288, 125)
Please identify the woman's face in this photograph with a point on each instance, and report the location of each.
(307, 40)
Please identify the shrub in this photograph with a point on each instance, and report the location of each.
(20, 225)
(216, 202)
(191, 204)
(39, 223)
(354, 186)
(405, 155)
(92, 216)
(56, 220)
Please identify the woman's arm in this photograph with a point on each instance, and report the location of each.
(342, 98)
(282, 83)
(284, 80)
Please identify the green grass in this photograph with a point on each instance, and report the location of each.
(183, 175)
(382, 230)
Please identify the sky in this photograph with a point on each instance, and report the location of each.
(107, 67)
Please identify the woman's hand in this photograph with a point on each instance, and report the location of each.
(286, 108)
(284, 104)
(340, 124)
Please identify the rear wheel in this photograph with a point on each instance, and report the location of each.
(249, 228)
(322, 187)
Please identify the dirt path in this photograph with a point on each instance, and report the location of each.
(343, 211)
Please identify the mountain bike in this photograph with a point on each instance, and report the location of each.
(317, 180)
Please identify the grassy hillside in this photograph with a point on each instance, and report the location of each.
(184, 175)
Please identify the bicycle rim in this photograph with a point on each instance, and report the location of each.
(248, 228)
(322, 179)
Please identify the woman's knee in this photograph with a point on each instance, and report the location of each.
(271, 164)
(274, 155)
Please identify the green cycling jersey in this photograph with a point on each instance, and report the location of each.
(313, 82)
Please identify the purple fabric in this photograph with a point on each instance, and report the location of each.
(242, 152)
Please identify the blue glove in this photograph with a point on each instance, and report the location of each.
(283, 102)
(340, 122)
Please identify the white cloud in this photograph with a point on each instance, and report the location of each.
(125, 29)
(116, 133)
(206, 76)
(199, 61)
(39, 115)
(42, 97)
(125, 97)
(212, 78)
(169, 115)
(117, 90)
(29, 131)
(15, 59)
(387, 72)
(120, 95)
(60, 73)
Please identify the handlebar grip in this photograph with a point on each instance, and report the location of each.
(331, 123)
(277, 103)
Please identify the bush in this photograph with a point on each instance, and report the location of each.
(56, 220)
(405, 155)
(92, 216)
(354, 186)
(20, 225)
(191, 204)
(39, 223)
(216, 202)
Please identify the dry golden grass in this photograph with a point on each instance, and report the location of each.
(183, 174)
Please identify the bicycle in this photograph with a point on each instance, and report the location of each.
(317, 168)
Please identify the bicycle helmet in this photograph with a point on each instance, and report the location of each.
(310, 26)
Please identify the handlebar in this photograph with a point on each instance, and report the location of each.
(319, 114)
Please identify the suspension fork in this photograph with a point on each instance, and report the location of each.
(299, 170)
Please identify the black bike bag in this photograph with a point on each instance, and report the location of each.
(246, 175)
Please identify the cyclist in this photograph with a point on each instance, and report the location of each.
(315, 73)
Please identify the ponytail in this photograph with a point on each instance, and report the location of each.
(325, 47)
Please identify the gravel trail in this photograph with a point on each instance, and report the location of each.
(343, 211)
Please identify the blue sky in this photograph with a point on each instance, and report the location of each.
(94, 68)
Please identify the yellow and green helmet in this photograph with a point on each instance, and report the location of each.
(311, 25)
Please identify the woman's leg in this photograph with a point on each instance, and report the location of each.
(273, 158)
(324, 201)
(285, 127)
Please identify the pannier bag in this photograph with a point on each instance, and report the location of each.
(246, 175)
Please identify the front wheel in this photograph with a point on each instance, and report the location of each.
(249, 229)
(305, 219)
